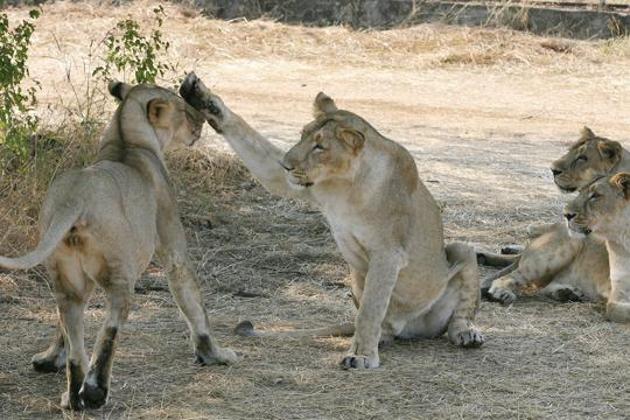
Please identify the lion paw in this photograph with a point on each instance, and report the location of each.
(219, 356)
(93, 395)
(46, 363)
(618, 312)
(568, 294)
(504, 296)
(469, 338)
(353, 361)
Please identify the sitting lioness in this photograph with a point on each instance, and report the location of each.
(387, 225)
(567, 268)
(102, 224)
(603, 209)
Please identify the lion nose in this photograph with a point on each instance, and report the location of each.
(555, 171)
(569, 215)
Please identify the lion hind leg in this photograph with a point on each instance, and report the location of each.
(71, 313)
(72, 291)
(95, 390)
(461, 330)
(53, 359)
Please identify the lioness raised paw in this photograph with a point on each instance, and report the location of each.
(353, 361)
(501, 295)
(199, 96)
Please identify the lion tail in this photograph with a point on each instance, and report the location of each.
(61, 223)
(247, 329)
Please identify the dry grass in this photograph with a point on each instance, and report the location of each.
(482, 111)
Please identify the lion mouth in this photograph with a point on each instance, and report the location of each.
(580, 230)
(302, 184)
(299, 182)
(566, 189)
(563, 188)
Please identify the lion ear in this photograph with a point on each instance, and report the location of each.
(159, 112)
(118, 90)
(610, 150)
(587, 134)
(621, 181)
(323, 105)
(351, 137)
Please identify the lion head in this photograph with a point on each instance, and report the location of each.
(590, 157)
(602, 208)
(328, 147)
(170, 118)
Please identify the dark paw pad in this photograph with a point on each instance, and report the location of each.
(355, 362)
(569, 295)
(211, 106)
(504, 297)
(93, 395)
(471, 339)
(50, 365)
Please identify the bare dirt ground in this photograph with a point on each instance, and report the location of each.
(483, 112)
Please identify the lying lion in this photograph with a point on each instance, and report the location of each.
(102, 224)
(603, 209)
(387, 225)
(567, 268)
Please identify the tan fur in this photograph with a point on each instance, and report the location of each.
(603, 210)
(386, 224)
(102, 224)
(566, 268)
(588, 158)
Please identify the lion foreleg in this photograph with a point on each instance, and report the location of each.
(184, 286)
(379, 284)
(504, 289)
(536, 230)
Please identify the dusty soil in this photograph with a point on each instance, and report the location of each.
(482, 111)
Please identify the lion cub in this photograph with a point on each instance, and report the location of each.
(102, 224)
(603, 210)
(388, 227)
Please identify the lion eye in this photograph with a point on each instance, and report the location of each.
(581, 159)
(318, 147)
(594, 196)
